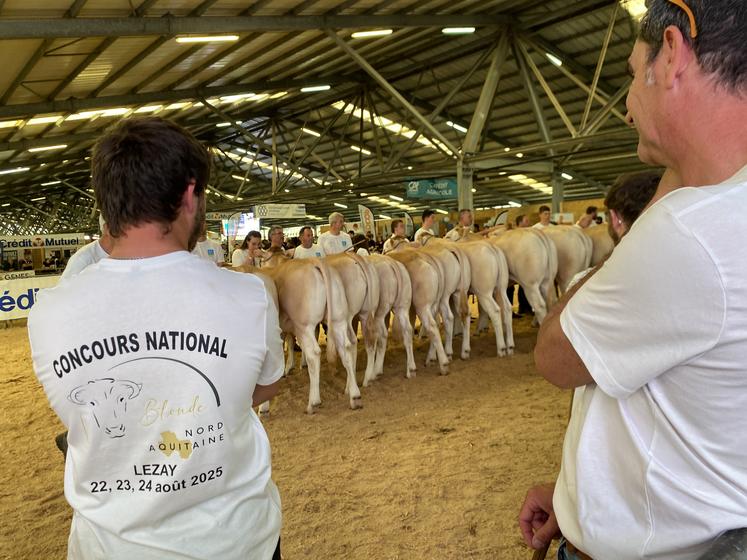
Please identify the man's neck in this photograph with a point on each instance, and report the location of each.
(148, 240)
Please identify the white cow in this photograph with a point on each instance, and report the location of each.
(427, 293)
(601, 241)
(395, 295)
(574, 252)
(532, 263)
(107, 400)
(310, 292)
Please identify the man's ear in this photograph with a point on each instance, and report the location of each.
(189, 198)
(675, 55)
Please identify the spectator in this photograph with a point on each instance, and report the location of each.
(308, 248)
(544, 215)
(208, 249)
(91, 253)
(588, 218)
(335, 240)
(426, 228)
(397, 238)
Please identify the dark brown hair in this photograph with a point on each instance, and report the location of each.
(630, 194)
(140, 169)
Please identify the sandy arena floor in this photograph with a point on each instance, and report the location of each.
(431, 468)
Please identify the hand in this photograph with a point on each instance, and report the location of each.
(537, 518)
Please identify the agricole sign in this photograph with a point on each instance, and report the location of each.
(52, 241)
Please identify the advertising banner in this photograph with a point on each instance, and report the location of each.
(432, 189)
(280, 211)
(409, 225)
(18, 296)
(52, 241)
(367, 220)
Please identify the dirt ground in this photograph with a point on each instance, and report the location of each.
(435, 467)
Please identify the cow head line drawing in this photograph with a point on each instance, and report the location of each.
(107, 399)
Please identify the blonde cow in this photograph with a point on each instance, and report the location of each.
(395, 296)
(574, 252)
(427, 293)
(309, 292)
(601, 242)
(532, 263)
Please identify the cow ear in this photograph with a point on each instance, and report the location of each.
(135, 388)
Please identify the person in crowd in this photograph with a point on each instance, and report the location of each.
(161, 344)
(308, 248)
(588, 218)
(360, 244)
(426, 230)
(249, 251)
(277, 238)
(397, 238)
(522, 220)
(653, 458)
(208, 249)
(91, 253)
(335, 240)
(544, 215)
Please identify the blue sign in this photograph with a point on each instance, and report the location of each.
(432, 189)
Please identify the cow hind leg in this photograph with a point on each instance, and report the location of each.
(263, 409)
(405, 327)
(431, 327)
(290, 355)
(508, 326)
(370, 345)
(535, 299)
(493, 311)
(447, 317)
(313, 353)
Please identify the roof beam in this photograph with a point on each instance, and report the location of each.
(140, 27)
(73, 105)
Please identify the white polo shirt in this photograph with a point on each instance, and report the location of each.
(302, 252)
(332, 244)
(84, 257)
(209, 250)
(422, 235)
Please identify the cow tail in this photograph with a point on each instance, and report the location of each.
(465, 273)
(323, 269)
(552, 268)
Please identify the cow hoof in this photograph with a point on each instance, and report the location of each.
(510, 352)
(310, 410)
(444, 370)
(465, 355)
(501, 353)
(355, 403)
(264, 413)
(411, 373)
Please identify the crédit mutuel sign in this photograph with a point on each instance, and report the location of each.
(51, 241)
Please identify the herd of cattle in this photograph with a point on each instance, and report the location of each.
(433, 282)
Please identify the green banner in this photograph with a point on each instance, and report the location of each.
(431, 189)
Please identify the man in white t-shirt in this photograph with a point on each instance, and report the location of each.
(397, 239)
(307, 249)
(155, 384)
(588, 218)
(425, 232)
(544, 215)
(91, 253)
(335, 240)
(208, 249)
(654, 457)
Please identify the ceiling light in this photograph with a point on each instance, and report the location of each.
(384, 217)
(237, 97)
(6, 204)
(502, 173)
(474, 190)
(45, 148)
(506, 149)
(395, 197)
(371, 33)
(554, 59)
(43, 120)
(361, 150)
(636, 8)
(239, 177)
(51, 183)
(207, 39)
(149, 109)
(286, 190)
(116, 112)
(340, 205)
(567, 176)
(278, 94)
(38, 199)
(9, 124)
(312, 132)
(456, 126)
(14, 170)
(179, 105)
(442, 211)
(409, 167)
(514, 204)
(519, 155)
(457, 30)
(310, 89)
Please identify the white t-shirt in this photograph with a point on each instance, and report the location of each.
(423, 234)
(540, 225)
(655, 456)
(393, 243)
(84, 257)
(457, 232)
(302, 252)
(333, 244)
(209, 250)
(239, 257)
(166, 458)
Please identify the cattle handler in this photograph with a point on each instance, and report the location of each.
(140, 358)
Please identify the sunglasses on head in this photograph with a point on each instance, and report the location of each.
(693, 27)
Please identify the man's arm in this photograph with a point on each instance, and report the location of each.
(264, 393)
(554, 355)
